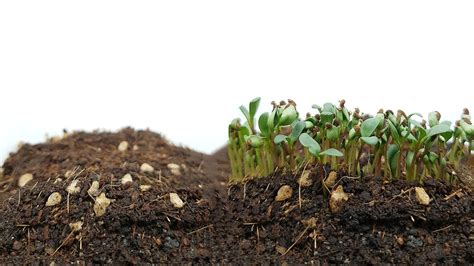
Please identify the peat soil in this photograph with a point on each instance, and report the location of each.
(381, 221)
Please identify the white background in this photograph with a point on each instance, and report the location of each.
(184, 67)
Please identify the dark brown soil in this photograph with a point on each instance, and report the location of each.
(381, 222)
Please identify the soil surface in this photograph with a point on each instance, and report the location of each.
(380, 222)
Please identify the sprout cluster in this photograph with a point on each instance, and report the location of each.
(391, 144)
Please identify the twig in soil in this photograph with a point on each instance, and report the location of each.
(64, 242)
(453, 194)
(442, 229)
(299, 184)
(296, 241)
(348, 177)
(19, 198)
(200, 229)
(401, 194)
(417, 215)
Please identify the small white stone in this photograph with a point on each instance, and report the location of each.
(24, 179)
(284, 193)
(144, 188)
(73, 188)
(135, 147)
(304, 180)
(58, 180)
(422, 196)
(101, 204)
(337, 200)
(127, 179)
(94, 189)
(331, 179)
(123, 146)
(146, 168)
(53, 199)
(174, 168)
(77, 226)
(176, 200)
(68, 173)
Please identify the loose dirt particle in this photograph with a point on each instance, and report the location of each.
(73, 188)
(176, 200)
(146, 168)
(144, 188)
(400, 240)
(304, 180)
(24, 179)
(77, 226)
(53, 199)
(123, 146)
(422, 196)
(94, 189)
(174, 168)
(127, 179)
(101, 204)
(284, 193)
(338, 197)
(331, 179)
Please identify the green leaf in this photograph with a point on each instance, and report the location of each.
(394, 132)
(326, 117)
(288, 116)
(467, 128)
(346, 114)
(245, 112)
(279, 139)
(393, 151)
(315, 106)
(307, 141)
(308, 124)
(273, 119)
(332, 152)
(263, 124)
(368, 127)
(297, 129)
(371, 140)
(332, 133)
(253, 107)
(438, 129)
(433, 119)
(329, 107)
(254, 141)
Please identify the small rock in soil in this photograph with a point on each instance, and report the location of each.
(127, 179)
(101, 204)
(94, 189)
(77, 226)
(284, 193)
(422, 196)
(171, 243)
(400, 240)
(338, 197)
(146, 168)
(17, 245)
(144, 188)
(53, 199)
(331, 179)
(414, 242)
(123, 146)
(73, 188)
(174, 168)
(304, 180)
(176, 201)
(24, 179)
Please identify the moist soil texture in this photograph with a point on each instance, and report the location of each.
(79, 208)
